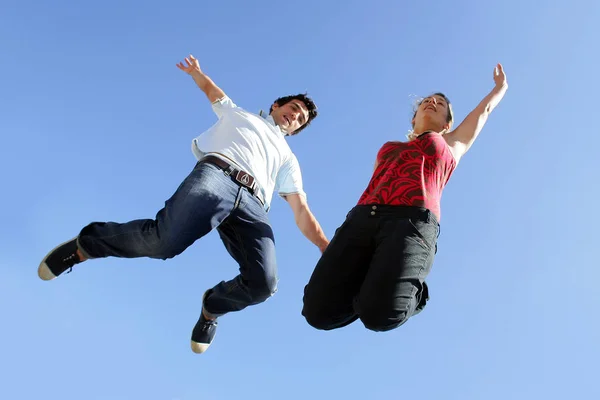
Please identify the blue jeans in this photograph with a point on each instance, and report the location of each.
(205, 200)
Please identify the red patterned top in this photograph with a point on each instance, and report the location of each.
(411, 173)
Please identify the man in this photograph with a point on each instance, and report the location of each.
(242, 159)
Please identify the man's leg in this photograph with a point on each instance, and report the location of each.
(339, 274)
(394, 288)
(201, 202)
(249, 239)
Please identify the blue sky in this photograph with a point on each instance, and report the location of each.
(96, 125)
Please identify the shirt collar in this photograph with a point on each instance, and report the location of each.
(269, 118)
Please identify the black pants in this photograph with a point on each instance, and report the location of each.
(373, 269)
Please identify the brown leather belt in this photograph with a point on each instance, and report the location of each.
(241, 177)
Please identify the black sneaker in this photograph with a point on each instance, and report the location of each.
(204, 331)
(61, 258)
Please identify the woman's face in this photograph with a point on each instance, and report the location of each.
(432, 114)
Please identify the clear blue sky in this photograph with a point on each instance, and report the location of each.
(96, 125)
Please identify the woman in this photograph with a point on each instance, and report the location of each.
(376, 264)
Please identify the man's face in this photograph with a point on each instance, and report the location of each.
(291, 116)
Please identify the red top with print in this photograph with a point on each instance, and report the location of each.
(411, 173)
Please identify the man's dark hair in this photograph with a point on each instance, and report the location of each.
(303, 97)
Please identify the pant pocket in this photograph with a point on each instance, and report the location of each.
(425, 233)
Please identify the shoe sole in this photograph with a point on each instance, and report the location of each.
(199, 348)
(44, 271)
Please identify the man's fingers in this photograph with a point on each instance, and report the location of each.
(191, 64)
(184, 68)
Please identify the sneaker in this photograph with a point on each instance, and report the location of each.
(204, 331)
(63, 257)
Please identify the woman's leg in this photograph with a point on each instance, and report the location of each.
(394, 289)
(339, 274)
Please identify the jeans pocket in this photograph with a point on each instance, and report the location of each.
(425, 233)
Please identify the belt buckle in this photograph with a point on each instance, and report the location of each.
(245, 179)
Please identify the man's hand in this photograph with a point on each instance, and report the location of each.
(323, 247)
(192, 67)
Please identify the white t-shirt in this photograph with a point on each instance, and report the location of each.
(256, 144)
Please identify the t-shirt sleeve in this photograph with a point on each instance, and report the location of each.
(289, 178)
(222, 105)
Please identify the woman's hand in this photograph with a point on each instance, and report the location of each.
(500, 76)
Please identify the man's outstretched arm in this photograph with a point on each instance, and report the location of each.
(192, 67)
(306, 221)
